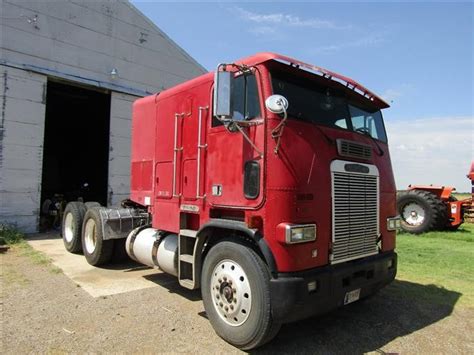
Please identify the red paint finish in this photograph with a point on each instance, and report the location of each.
(143, 146)
(470, 175)
(456, 212)
(303, 145)
(295, 185)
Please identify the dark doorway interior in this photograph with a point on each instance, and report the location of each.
(76, 144)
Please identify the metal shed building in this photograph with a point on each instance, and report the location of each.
(69, 72)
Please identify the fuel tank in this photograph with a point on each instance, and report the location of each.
(147, 247)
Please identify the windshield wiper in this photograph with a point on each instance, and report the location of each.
(365, 133)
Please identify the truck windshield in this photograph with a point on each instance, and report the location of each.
(325, 106)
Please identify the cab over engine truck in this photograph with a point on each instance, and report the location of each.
(267, 184)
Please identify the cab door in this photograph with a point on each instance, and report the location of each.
(235, 159)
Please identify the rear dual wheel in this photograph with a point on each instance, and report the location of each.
(97, 250)
(235, 288)
(72, 226)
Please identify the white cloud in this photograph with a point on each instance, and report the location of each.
(269, 25)
(273, 20)
(435, 150)
(392, 94)
(263, 30)
(366, 41)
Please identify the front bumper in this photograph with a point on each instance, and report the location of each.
(292, 301)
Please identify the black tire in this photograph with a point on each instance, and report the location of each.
(435, 213)
(258, 326)
(96, 250)
(45, 206)
(91, 204)
(71, 226)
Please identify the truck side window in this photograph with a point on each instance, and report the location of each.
(245, 100)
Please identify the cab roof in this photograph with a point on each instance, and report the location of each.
(263, 57)
(330, 75)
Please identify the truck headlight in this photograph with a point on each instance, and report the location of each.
(393, 223)
(300, 233)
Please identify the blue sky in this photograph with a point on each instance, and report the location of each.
(417, 55)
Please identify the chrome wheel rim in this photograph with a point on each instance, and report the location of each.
(231, 293)
(90, 236)
(69, 227)
(413, 214)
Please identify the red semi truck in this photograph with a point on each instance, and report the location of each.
(267, 184)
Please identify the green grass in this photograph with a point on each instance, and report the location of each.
(442, 259)
(9, 235)
(16, 241)
(36, 257)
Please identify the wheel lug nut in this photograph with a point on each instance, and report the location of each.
(234, 290)
(235, 300)
(231, 307)
(225, 278)
(221, 304)
(217, 296)
(226, 308)
(230, 282)
(219, 280)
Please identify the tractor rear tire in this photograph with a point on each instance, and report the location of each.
(421, 211)
(96, 250)
(71, 226)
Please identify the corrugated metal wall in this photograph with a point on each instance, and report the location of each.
(21, 146)
(87, 39)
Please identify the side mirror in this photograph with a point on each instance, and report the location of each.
(223, 94)
(276, 104)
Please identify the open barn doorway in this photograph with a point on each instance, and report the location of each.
(76, 149)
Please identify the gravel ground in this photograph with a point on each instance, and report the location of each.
(45, 312)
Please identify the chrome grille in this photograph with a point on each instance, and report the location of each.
(353, 150)
(355, 211)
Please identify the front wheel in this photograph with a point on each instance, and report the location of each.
(235, 288)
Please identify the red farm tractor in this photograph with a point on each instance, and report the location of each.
(424, 208)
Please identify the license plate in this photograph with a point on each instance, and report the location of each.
(352, 296)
